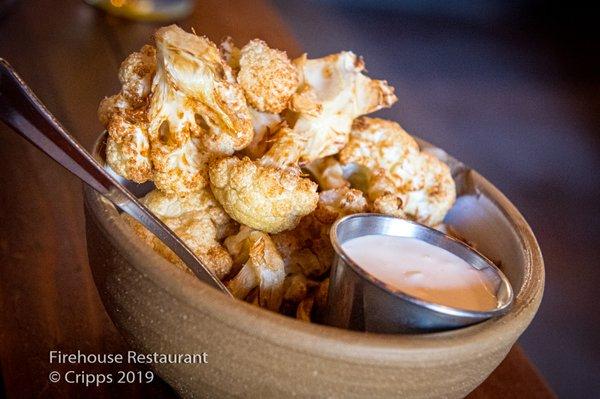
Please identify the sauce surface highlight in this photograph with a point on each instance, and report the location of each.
(422, 270)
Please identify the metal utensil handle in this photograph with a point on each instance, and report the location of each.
(25, 114)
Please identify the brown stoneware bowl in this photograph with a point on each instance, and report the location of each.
(256, 353)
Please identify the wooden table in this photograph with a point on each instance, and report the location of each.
(69, 54)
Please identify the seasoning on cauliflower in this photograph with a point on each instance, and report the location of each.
(197, 111)
(263, 268)
(267, 76)
(404, 181)
(333, 92)
(124, 117)
(268, 194)
(198, 220)
(307, 248)
(136, 74)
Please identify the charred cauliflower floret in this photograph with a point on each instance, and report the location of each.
(263, 268)
(332, 93)
(267, 76)
(268, 194)
(307, 248)
(198, 220)
(404, 181)
(197, 111)
(124, 117)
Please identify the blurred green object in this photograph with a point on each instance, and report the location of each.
(146, 10)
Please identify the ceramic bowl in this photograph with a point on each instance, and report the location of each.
(252, 352)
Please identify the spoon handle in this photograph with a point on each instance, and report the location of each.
(25, 114)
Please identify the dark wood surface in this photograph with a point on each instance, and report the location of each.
(69, 55)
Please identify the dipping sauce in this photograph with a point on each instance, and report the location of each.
(424, 271)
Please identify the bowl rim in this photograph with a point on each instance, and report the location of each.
(326, 341)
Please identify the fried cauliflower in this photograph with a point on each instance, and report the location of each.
(332, 93)
(307, 249)
(267, 76)
(263, 268)
(198, 220)
(265, 125)
(404, 181)
(268, 194)
(314, 303)
(124, 117)
(197, 111)
(328, 172)
(254, 157)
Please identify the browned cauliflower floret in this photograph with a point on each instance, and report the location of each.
(197, 111)
(404, 181)
(230, 54)
(328, 172)
(236, 245)
(307, 248)
(314, 303)
(339, 202)
(263, 268)
(128, 147)
(265, 125)
(332, 93)
(124, 116)
(297, 287)
(136, 74)
(198, 220)
(268, 194)
(267, 76)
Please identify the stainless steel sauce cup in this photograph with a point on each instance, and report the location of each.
(359, 301)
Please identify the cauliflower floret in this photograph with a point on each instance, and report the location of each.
(268, 194)
(333, 92)
(230, 54)
(136, 75)
(124, 116)
(328, 172)
(197, 111)
(263, 268)
(265, 125)
(198, 220)
(378, 143)
(307, 248)
(128, 147)
(338, 202)
(314, 303)
(267, 76)
(404, 181)
(297, 287)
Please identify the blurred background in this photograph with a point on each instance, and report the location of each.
(512, 89)
(509, 87)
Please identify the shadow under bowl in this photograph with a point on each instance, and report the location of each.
(252, 352)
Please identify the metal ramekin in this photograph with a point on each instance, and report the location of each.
(359, 301)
